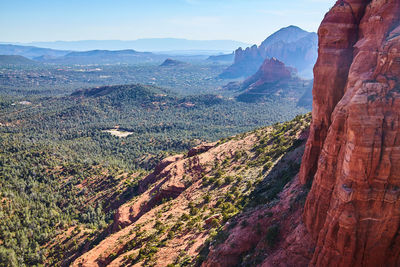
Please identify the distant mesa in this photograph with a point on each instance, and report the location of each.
(293, 46)
(173, 63)
(15, 60)
(273, 79)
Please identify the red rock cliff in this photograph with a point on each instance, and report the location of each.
(353, 153)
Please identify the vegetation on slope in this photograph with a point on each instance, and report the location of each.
(62, 177)
(50, 191)
(188, 205)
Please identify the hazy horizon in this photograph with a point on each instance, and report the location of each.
(209, 47)
(237, 20)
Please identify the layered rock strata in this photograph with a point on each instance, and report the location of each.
(353, 153)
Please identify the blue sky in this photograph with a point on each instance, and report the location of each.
(249, 21)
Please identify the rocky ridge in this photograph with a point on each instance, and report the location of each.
(292, 45)
(188, 202)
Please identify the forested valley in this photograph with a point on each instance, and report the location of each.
(61, 164)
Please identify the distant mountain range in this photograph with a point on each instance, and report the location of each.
(46, 55)
(104, 57)
(293, 46)
(127, 56)
(149, 44)
(30, 51)
(15, 60)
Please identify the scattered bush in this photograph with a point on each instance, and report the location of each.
(272, 236)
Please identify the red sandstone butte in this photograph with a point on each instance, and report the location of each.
(272, 70)
(353, 153)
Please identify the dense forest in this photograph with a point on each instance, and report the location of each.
(52, 80)
(54, 141)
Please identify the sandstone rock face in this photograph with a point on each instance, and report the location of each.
(337, 36)
(353, 152)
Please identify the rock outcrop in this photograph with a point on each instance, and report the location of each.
(292, 45)
(353, 153)
(273, 79)
(272, 70)
(169, 62)
(246, 62)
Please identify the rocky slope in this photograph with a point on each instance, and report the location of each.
(353, 153)
(192, 202)
(292, 45)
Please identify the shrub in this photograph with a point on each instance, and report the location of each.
(194, 211)
(219, 173)
(185, 217)
(219, 182)
(170, 234)
(228, 179)
(214, 223)
(244, 224)
(272, 236)
(267, 166)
